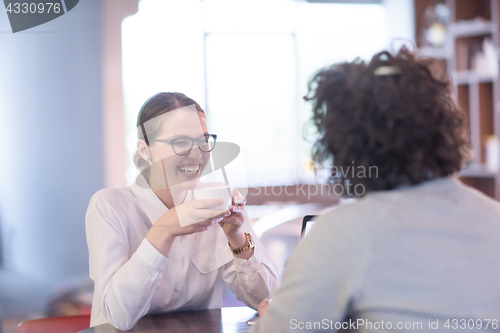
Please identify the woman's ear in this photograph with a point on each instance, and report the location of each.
(144, 151)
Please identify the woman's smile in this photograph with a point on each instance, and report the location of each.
(190, 170)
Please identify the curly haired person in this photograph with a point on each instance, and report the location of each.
(419, 251)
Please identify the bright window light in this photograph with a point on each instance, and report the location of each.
(251, 90)
(247, 62)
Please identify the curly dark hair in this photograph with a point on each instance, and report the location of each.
(394, 114)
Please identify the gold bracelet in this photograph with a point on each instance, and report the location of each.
(249, 245)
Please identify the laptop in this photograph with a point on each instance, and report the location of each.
(307, 224)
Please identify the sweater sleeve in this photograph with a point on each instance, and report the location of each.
(124, 283)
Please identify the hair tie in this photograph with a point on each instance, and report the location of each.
(387, 70)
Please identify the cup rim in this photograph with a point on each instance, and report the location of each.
(212, 188)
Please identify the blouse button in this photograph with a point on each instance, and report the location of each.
(176, 290)
(175, 253)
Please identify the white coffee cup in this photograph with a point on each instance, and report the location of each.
(218, 192)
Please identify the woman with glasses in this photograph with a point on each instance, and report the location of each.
(153, 247)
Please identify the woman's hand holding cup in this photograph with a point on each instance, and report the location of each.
(190, 217)
(235, 202)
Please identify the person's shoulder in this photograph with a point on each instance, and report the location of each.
(358, 222)
(357, 211)
(472, 192)
(352, 222)
(345, 232)
(474, 205)
(444, 193)
(112, 206)
(112, 197)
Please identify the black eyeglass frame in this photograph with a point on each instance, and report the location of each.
(197, 140)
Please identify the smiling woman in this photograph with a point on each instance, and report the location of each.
(152, 246)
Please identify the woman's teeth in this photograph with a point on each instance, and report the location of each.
(189, 169)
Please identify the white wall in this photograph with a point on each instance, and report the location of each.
(51, 142)
(400, 21)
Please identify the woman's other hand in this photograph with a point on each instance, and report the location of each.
(263, 306)
(233, 224)
(195, 217)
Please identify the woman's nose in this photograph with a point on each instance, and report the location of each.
(195, 153)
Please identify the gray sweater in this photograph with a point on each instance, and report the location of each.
(416, 258)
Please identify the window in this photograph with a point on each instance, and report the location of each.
(247, 62)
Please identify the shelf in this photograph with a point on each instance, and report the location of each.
(477, 172)
(470, 77)
(441, 53)
(467, 57)
(471, 28)
(471, 9)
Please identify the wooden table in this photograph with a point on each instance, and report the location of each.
(225, 320)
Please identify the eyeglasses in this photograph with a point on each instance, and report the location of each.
(182, 146)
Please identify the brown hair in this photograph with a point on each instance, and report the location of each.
(404, 123)
(155, 106)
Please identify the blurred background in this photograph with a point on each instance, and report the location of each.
(70, 91)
